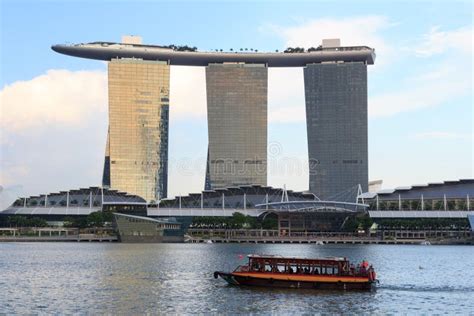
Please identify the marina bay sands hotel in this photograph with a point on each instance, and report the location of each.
(136, 155)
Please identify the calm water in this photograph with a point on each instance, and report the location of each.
(178, 278)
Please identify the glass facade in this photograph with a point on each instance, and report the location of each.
(106, 173)
(336, 118)
(294, 223)
(137, 142)
(237, 125)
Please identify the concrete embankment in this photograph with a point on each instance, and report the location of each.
(336, 241)
(87, 238)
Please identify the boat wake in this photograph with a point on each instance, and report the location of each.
(434, 289)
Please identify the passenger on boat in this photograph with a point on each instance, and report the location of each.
(256, 266)
(345, 268)
(371, 273)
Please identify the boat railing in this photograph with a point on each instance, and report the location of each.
(242, 269)
(354, 273)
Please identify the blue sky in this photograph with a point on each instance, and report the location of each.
(54, 107)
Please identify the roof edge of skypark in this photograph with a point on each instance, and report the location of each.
(110, 51)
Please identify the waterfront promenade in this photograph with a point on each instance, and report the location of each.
(260, 236)
(55, 234)
(388, 237)
(70, 238)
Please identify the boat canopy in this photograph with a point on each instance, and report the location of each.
(295, 260)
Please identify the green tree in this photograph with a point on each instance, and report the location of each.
(22, 221)
(439, 205)
(99, 218)
(36, 222)
(392, 206)
(238, 220)
(461, 205)
(270, 222)
(351, 224)
(354, 223)
(415, 205)
(451, 205)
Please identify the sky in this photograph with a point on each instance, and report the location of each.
(54, 115)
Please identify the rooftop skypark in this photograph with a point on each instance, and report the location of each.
(190, 56)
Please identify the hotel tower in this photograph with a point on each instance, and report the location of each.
(136, 152)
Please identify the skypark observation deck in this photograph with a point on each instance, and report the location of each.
(109, 51)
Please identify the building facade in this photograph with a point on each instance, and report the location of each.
(137, 144)
(237, 125)
(336, 105)
(58, 206)
(422, 200)
(336, 118)
(140, 229)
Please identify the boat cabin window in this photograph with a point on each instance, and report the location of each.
(277, 265)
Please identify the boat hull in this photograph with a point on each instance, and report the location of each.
(303, 282)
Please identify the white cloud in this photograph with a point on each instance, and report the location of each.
(53, 131)
(69, 97)
(187, 92)
(353, 31)
(8, 195)
(443, 135)
(437, 41)
(442, 83)
(286, 85)
(12, 172)
(59, 97)
(286, 95)
(53, 127)
(451, 78)
(447, 79)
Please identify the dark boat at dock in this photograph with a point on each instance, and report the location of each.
(324, 274)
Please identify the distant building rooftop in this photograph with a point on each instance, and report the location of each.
(81, 201)
(451, 189)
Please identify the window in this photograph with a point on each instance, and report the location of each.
(349, 161)
(142, 102)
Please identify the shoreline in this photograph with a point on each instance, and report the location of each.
(60, 239)
(320, 242)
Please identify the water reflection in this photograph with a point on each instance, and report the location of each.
(162, 278)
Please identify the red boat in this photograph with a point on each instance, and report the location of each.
(326, 273)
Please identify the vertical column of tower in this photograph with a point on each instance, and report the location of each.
(336, 118)
(138, 127)
(106, 172)
(237, 125)
(162, 184)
